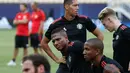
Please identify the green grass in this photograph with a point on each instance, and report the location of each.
(7, 47)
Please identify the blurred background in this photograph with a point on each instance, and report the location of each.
(53, 10)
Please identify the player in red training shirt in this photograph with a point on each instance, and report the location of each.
(36, 32)
(21, 39)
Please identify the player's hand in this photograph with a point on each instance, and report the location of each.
(129, 67)
(15, 22)
(110, 68)
(61, 60)
(40, 32)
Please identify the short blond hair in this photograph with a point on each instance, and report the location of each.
(106, 12)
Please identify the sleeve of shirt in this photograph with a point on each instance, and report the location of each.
(126, 34)
(90, 25)
(16, 17)
(52, 26)
(28, 16)
(43, 17)
(48, 32)
(77, 47)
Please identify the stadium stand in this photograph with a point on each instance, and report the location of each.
(58, 1)
(51, 1)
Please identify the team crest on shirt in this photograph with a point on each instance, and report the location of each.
(79, 26)
(117, 37)
(24, 17)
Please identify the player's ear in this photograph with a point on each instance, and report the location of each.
(98, 51)
(41, 69)
(66, 6)
(66, 37)
(109, 19)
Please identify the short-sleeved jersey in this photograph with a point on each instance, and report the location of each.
(105, 60)
(121, 41)
(76, 28)
(36, 18)
(75, 59)
(22, 29)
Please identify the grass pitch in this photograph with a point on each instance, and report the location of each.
(7, 47)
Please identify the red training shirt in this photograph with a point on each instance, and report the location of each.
(22, 29)
(37, 17)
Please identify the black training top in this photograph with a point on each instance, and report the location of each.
(121, 41)
(75, 59)
(105, 60)
(76, 28)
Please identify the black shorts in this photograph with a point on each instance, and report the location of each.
(35, 40)
(21, 41)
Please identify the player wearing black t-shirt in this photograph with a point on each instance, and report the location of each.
(72, 51)
(93, 51)
(75, 26)
(121, 41)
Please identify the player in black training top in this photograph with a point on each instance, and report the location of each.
(75, 26)
(72, 51)
(121, 41)
(93, 51)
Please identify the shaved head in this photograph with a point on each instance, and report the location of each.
(95, 43)
(67, 2)
(60, 31)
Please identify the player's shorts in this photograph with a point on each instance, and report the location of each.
(35, 40)
(21, 41)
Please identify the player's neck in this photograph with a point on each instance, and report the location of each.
(36, 9)
(67, 44)
(117, 24)
(68, 17)
(24, 11)
(97, 60)
(66, 48)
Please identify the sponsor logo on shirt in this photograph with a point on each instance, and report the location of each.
(65, 29)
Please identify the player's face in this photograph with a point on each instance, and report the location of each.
(108, 24)
(33, 6)
(22, 8)
(59, 41)
(89, 53)
(28, 67)
(73, 8)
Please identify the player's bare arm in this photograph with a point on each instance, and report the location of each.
(15, 22)
(46, 48)
(40, 31)
(98, 34)
(24, 21)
